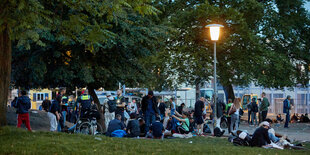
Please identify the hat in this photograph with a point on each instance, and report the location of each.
(108, 94)
(265, 123)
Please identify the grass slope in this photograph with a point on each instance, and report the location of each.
(18, 141)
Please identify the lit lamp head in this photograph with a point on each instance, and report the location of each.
(214, 31)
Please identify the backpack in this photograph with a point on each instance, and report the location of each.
(217, 132)
(112, 106)
(118, 133)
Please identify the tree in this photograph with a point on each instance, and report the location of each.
(249, 48)
(60, 29)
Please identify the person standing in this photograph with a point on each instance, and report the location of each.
(180, 108)
(254, 110)
(120, 104)
(64, 108)
(109, 109)
(199, 107)
(85, 103)
(220, 106)
(23, 105)
(249, 111)
(234, 112)
(46, 104)
(59, 102)
(162, 109)
(264, 106)
(286, 110)
(228, 117)
(132, 107)
(149, 109)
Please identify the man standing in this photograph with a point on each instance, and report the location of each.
(23, 105)
(162, 109)
(180, 108)
(199, 107)
(46, 104)
(59, 102)
(149, 109)
(286, 110)
(109, 109)
(85, 103)
(228, 117)
(264, 106)
(254, 110)
(120, 105)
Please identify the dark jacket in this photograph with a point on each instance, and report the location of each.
(144, 104)
(22, 104)
(199, 105)
(286, 106)
(220, 107)
(115, 125)
(162, 108)
(260, 137)
(134, 128)
(254, 107)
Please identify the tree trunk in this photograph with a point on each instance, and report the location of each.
(197, 91)
(5, 72)
(229, 92)
(93, 94)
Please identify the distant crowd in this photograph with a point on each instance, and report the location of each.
(153, 118)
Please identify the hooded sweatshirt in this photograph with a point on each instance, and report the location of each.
(22, 105)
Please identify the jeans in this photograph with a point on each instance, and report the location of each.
(264, 115)
(253, 118)
(287, 119)
(273, 138)
(149, 119)
(228, 124)
(234, 121)
(64, 113)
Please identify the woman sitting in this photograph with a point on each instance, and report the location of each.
(184, 128)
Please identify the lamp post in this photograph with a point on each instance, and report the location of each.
(215, 33)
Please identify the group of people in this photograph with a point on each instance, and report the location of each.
(261, 109)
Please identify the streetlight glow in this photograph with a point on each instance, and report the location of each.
(214, 31)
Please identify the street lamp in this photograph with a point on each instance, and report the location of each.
(215, 33)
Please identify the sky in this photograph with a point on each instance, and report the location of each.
(307, 6)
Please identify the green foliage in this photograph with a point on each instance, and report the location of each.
(258, 43)
(85, 46)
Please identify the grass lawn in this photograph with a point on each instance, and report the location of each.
(19, 141)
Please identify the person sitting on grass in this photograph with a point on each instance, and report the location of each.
(260, 136)
(133, 128)
(115, 124)
(157, 129)
(184, 128)
(279, 118)
(142, 127)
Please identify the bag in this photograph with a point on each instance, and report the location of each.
(217, 132)
(240, 142)
(232, 110)
(241, 112)
(112, 106)
(118, 133)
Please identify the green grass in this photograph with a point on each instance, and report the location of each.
(18, 141)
